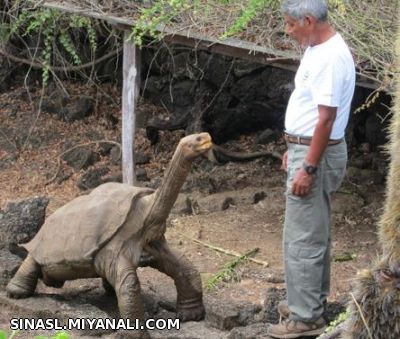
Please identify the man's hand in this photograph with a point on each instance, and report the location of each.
(302, 183)
(284, 161)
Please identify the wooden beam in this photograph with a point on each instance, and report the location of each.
(130, 92)
(231, 47)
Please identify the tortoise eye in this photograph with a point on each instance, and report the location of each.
(198, 139)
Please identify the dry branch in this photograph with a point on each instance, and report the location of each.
(222, 250)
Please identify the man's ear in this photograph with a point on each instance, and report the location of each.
(309, 21)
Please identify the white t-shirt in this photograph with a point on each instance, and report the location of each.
(326, 76)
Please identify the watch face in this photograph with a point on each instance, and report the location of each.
(310, 169)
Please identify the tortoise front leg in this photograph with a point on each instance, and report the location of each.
(186, 278)
(127, 289)
(24, 282)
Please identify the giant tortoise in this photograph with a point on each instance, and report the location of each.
(112, 231)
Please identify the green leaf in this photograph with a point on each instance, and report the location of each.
(3, 335)
(61, 335)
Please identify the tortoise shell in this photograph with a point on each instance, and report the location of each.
(75, 232)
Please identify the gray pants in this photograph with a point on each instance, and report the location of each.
(306, 236)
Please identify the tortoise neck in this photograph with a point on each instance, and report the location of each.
(166, 195)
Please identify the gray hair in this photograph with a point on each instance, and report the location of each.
(299, 9)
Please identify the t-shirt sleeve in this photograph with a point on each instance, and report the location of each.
(327, 86)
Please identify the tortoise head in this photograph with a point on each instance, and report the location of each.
(194, 145)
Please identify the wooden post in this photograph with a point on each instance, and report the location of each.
(130, 92)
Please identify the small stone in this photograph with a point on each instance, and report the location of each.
(9, 264)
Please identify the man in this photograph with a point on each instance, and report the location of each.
(316, 118)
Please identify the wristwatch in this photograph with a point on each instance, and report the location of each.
(309, 168)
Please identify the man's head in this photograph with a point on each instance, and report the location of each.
(305, 20)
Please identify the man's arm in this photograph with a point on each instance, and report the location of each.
(302, 181)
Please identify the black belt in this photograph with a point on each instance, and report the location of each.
(293, 139)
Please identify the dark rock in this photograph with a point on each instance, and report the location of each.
(141, 174)
(63, 113)
(92, 178)
(189, 330)
(333, 309)
(273, 297)
(154, 88)
(183, 67)
(60, 97)
(9, 263)
(375, 131)
(361, 161)
(13, 112)
(115, 155)
(346, 204)
(225, 315)
(243, 68)
(113, 178)
(248, 313)
(50, 106)
(50, 306)
(381, 165)
(250, 88)
(213, 203)
(244, 118)
(217, 70)
(80, 158)
(105, 148)
(180, 95)
(227, 203)
(183, 204)
(364, 176)
(141, 159)
(259, 196)
(279, 83)
(83, 106)
(20, 222)
(5, 75)
(268, 136)
(253, 331)
(7, 161)
(54, 103)
(64, 175)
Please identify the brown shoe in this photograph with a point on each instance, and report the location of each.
(284, 311)
(289, 329)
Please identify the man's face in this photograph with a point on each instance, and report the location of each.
(299, 30)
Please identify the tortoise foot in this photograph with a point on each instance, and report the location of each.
(191, 312)
(17, 291)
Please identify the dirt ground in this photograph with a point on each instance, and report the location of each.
(236, 207)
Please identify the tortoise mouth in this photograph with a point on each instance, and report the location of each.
(205, 145)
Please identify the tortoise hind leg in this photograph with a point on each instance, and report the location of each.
(186, 278)
(23, 284)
